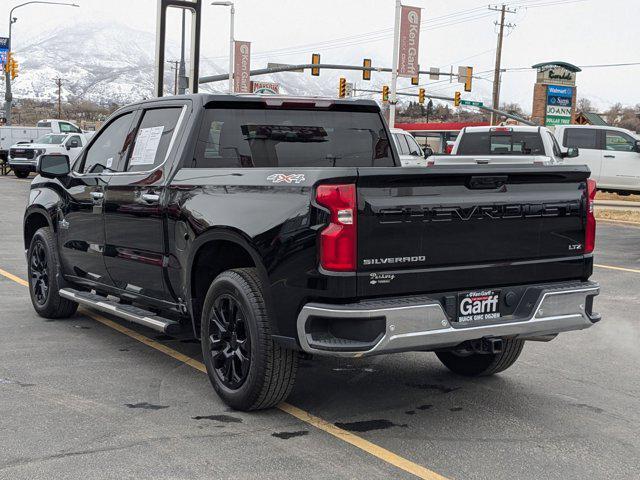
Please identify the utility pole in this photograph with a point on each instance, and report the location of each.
(175, 65)
(496, 74)
(59, 84)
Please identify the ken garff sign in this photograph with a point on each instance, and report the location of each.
(242, 67)
(409, 42)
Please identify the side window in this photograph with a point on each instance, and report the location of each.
(581, 138)
(402, 144)
(619, 141)
(414, 149)
(556, 148)
(110, 146)
(68, 128)
(153, 138)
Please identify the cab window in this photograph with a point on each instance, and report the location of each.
(414, 149)
(153, 138)
(581, 138)
(619, 141)
(109, 148)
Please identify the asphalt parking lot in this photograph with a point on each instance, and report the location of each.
(96, 397)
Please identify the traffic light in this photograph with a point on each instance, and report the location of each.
(315, 59)
(456, 99)
(421, 96)
(416, 80)
(7, 63)
(13, 70)
(385, 93)
(468, 79)
(342, 87)
(366, 74)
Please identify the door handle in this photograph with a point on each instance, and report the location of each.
(609, 156)
(97, 195)
(150, 197)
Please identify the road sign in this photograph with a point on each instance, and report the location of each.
(471, 103)
(4, 48)
(282, 65)
(434, 73)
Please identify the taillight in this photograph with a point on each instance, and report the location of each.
(590, 233)
(338, 239)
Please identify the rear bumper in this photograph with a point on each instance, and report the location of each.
(420, 323)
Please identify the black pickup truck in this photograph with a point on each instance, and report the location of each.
(276, 227)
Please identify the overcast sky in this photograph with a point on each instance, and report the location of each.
(458, 32)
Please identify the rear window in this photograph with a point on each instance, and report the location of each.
(581, 138)
(501, 143)
(246, 138)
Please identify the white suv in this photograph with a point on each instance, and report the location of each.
(411, 154)
(612, 154)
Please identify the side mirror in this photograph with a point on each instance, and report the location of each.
(637, 146)
(54, 166)
(571, 152)
(74, 144)
(428, 151)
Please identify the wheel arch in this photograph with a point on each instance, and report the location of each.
(35, 217)
(212, 252)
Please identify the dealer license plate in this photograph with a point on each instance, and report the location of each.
(478, 305)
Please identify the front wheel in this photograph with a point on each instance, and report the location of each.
(43, 270)
(482, 364)
(247, 369)
(21, 173)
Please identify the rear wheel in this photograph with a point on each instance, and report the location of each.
(482, 364)
(44, 285)
(245, 366)
(21, 173)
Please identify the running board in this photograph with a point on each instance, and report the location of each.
(127, 312)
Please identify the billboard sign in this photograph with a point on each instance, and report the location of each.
(559, 105)
(409, 44)
(265, 87)
(4, 49)
(242, 67)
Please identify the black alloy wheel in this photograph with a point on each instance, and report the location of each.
(230, 341)
(39, 272)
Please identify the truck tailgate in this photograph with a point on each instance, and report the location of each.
(461, 227)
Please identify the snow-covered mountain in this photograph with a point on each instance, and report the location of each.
(107, 62)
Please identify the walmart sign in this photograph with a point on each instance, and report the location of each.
(559, 103)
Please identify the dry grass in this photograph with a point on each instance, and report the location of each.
(615, 196)
(632, 216)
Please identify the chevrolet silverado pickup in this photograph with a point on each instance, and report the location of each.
(279, 227)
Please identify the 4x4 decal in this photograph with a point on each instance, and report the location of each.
(284, 178)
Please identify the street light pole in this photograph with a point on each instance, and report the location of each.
(231, 27)
(8, 97)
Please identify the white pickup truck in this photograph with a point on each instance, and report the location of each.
(11, 135)
(612, 154)
(504, 145)
(23, 157)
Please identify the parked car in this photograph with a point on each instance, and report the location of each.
(24, 157)
(12, 135)
(612, 154)
(504, 145)
(411, 155)
(270, 226)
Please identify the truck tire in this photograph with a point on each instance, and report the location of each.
(247, 369)
(44, 275)
(21, 173)
(482, 364)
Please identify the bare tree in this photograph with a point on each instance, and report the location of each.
(585, 105)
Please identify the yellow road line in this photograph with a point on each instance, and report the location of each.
(622, 269)
(11, 276)
(344, 435)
